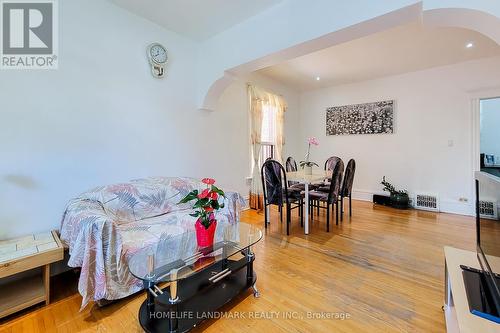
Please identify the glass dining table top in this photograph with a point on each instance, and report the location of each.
(178, 257)
(301, 176)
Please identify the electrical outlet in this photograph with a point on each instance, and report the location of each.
(462, 199)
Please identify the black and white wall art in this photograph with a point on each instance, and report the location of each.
(366, 118)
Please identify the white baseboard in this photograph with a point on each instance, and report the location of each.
(457, 208)
(362, 195)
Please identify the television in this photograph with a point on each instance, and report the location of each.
(483, 285)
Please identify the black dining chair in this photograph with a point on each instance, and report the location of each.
(324, 186)
(331, 162)
(346, 190)
(329, 166)
(291, 166)
(332, 196)
(276, 192)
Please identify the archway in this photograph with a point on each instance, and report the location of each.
(482, 22)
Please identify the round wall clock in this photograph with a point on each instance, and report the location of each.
(157, 55)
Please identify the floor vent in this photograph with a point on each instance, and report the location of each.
(488, 209)
(426, 202)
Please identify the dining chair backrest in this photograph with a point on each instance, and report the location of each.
(336, 179)
(290, 165)
(348, 178)
(331, 162)
(274, 183)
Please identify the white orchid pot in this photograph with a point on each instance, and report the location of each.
(308, 170)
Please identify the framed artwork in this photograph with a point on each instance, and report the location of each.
(366, 118)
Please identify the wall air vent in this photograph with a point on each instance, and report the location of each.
(488, 209)
(426, 202)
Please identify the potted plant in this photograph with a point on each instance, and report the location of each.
(307, 165)
(206, 205)
(399, 198)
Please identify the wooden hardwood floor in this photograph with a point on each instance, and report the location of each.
(380, 271)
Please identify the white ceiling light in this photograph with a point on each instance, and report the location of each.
(469, 45)
(318, 78)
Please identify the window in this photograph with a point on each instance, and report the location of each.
(268, 133)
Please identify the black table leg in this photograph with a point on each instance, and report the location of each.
(148, 285)
(250, 258)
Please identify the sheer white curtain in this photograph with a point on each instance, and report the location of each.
(266, 125)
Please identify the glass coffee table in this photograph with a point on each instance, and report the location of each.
(201, 280)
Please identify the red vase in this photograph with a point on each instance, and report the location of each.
(205, 237)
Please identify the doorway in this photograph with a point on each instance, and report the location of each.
(489, 135)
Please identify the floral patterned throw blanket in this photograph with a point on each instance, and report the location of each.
(105, 226)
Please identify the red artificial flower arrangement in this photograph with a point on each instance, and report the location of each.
(206, 205)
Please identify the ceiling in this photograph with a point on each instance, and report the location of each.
(196, 19)
(400, 50)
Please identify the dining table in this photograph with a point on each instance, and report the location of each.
(307, 179)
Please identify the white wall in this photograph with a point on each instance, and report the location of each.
(431, 148)
(490, 127)
(102, 118)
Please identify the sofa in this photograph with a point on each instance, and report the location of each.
(105, 226)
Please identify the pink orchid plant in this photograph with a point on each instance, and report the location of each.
(207, 202)
(310, 141)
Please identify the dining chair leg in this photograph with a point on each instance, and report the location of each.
(317, 209)
(350, 204)
(280, 207)
(341, 208)
(301, 210)
(265, 215)
(288, 212)
(311, 212)
(337, 214)
(327, 217)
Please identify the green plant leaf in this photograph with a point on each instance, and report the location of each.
(218, 190)
(190, 196)
(187, 198)
(201, 203)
